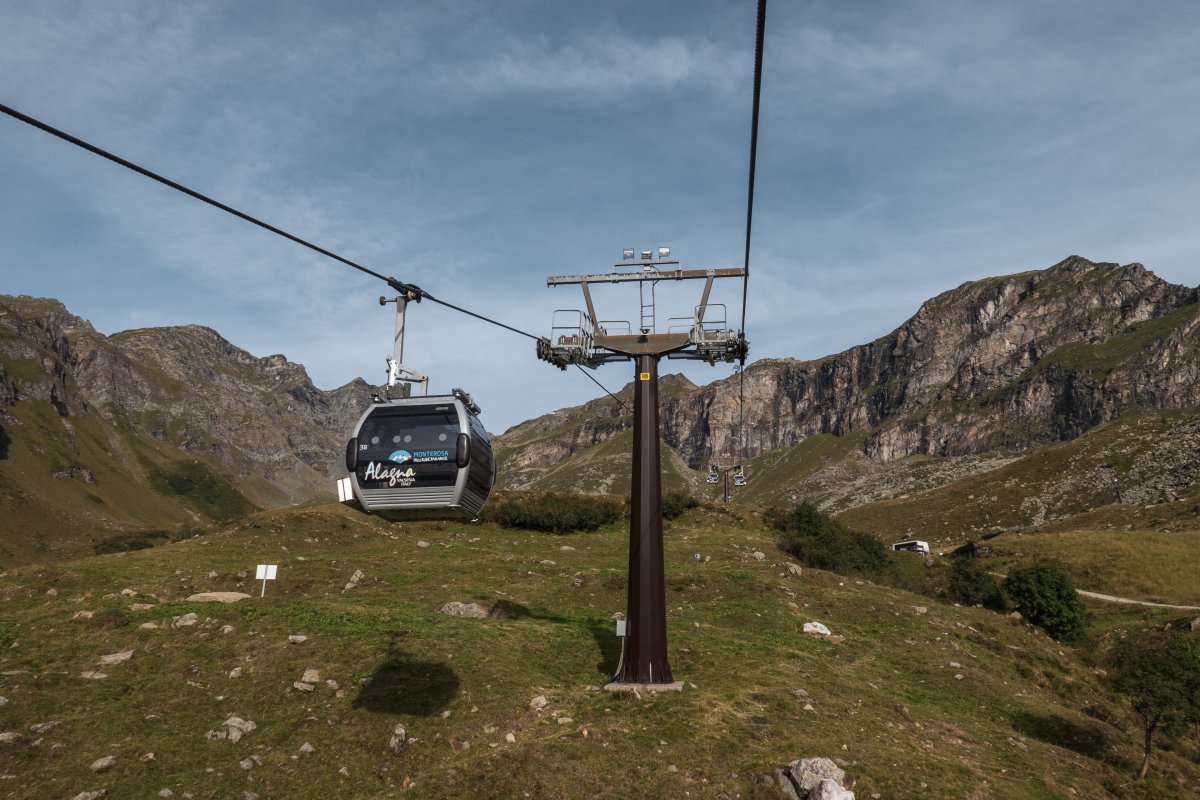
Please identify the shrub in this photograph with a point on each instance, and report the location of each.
(557, 512)
(972, 585)
(816, 540)
(675, 503)
(1046, 597)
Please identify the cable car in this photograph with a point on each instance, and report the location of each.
(712, 474)
(421, 458)
(739, 477)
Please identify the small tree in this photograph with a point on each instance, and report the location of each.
(1159, 671)
(972, 585)
(1047, 598)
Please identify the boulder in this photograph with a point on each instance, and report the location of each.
(95, 794)
(187, 620)
(471, 610)
(311, 675)
(232, 729)
(816, 629)
(217, 597)
(101, 764)
(807, 773)
(10, 737)
(116, 658)
(829, 789)
(399, 739)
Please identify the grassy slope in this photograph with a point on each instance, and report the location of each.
(1156, 566)
(1025, 491)
(139, 484)
(1014, 727)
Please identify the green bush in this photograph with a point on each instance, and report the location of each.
(972, 585)
(556, 512)
(1046, 597)
(675, 503)
(816, 540)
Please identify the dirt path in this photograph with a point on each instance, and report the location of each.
(1113, 599)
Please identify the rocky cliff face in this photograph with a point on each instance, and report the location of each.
(186, 387)
(1009, 362)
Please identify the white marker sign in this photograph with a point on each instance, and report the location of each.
(264, 573)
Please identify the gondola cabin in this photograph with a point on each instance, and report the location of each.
(420, 458)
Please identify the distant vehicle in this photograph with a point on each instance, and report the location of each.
(912, 546)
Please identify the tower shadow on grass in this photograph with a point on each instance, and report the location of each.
(402, 684)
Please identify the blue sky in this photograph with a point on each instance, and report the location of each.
(475, 147)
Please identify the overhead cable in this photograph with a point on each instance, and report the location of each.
(758, 59)
(412, 291)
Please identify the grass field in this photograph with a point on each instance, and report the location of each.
(1029, 718)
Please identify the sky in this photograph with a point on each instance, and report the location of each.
(475, 147)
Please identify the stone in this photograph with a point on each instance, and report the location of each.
(422, 544)
(399, 739)
(794, 569)
(45, 727)
(311, 676)
(129, 592)
(250, 763)
(331, 684)
(921, 609)
(227, 629)
(539, 702)
(829, 789)
(808, 772)
(297, 638)
(148, 626)
(101, 764)
(759, 555)
(217, 597)
(1195, 624)
(52, 593)
(187, 620)
(471, 610)
(116, 658)
(232, 729)
(784, 781)
(307, 748)
(10, 737)
(236, 672)
(147, 757)
(344, 771)
(83, 615)
(94, 794)
(510, 738)
(3, 701)
(165, 792)
(304, 687)
(816, 629)
(93, 675)
(141, 606)
(564, 720)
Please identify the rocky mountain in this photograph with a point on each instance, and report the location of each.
(149, 429)
(999, 365)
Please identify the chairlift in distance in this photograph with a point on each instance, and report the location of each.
(739, 476)
(426, 457)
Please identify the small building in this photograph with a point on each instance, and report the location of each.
(912, 546)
